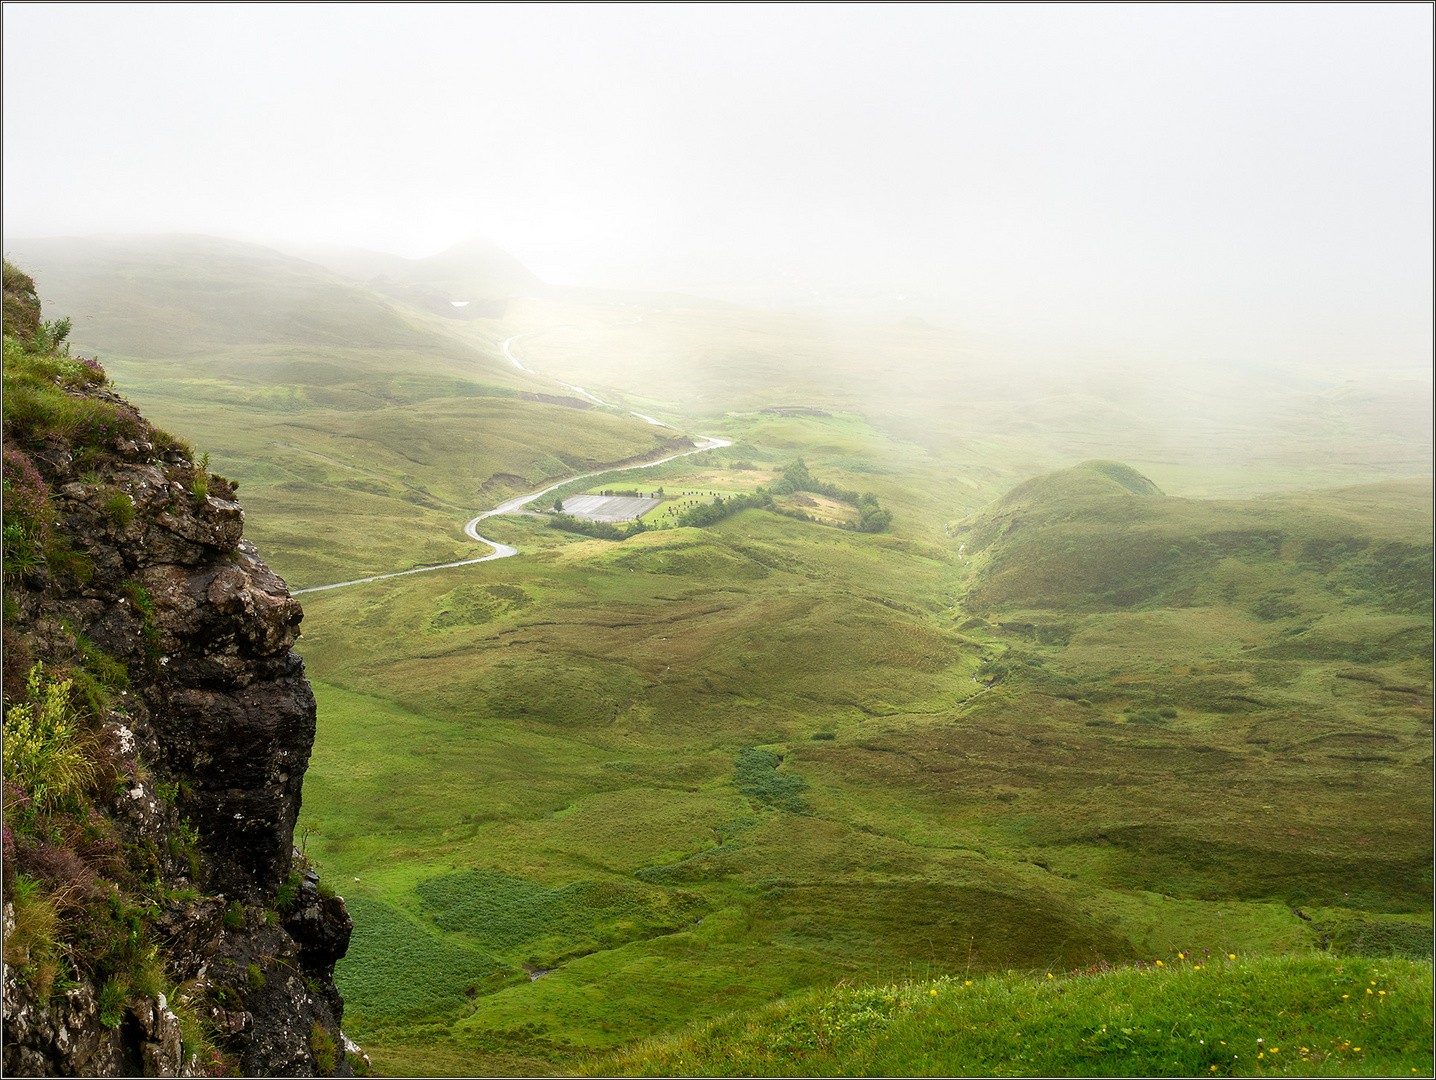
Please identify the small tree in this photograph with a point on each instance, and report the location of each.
(558, 506)
(308, 829)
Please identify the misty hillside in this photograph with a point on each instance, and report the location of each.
(833, 539)
(334, 405)
(181, 295)
(1084, 537)
(473, 279)
(1055, 714)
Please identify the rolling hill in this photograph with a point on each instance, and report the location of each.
(360, 425)
(1064, 713)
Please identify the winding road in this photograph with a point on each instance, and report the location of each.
(569, 386)
(515, 505)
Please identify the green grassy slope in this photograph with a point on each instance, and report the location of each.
(1277, 654)
(1194, 1016)
(944, 787)
(273, 364)
(1050, 719)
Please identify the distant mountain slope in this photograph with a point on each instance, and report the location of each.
(172, 296)
(1093, 538)
(303, 384)
(472, 279)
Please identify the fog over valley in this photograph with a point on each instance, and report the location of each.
(1234, 183)
(666, 540)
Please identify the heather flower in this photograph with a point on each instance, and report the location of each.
(27, 502)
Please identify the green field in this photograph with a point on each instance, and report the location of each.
(1143, 666)
(1137, 779)
(1193, 1015)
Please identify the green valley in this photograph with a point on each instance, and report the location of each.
(1140, 668)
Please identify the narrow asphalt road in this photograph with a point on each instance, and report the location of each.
(514, 505)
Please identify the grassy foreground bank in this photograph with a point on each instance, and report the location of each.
(1192, 1016)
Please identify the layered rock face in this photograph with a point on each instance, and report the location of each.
(202, 758)
(226, 700)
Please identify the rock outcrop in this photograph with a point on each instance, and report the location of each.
(185, 934)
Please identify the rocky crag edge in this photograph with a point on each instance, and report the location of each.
(166, 924)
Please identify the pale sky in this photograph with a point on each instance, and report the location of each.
(1239, 181)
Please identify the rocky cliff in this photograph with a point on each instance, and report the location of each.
(157, 917)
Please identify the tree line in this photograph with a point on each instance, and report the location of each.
(872, 518)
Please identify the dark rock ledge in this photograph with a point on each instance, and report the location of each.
(208, 744)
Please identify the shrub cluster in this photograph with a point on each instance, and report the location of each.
(720, 508)
(872, 518)
(22, 306)
(65, 867)
(599, 530)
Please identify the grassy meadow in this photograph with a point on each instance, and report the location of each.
(1142, 668)
(1197, 1015)
(939, 787)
